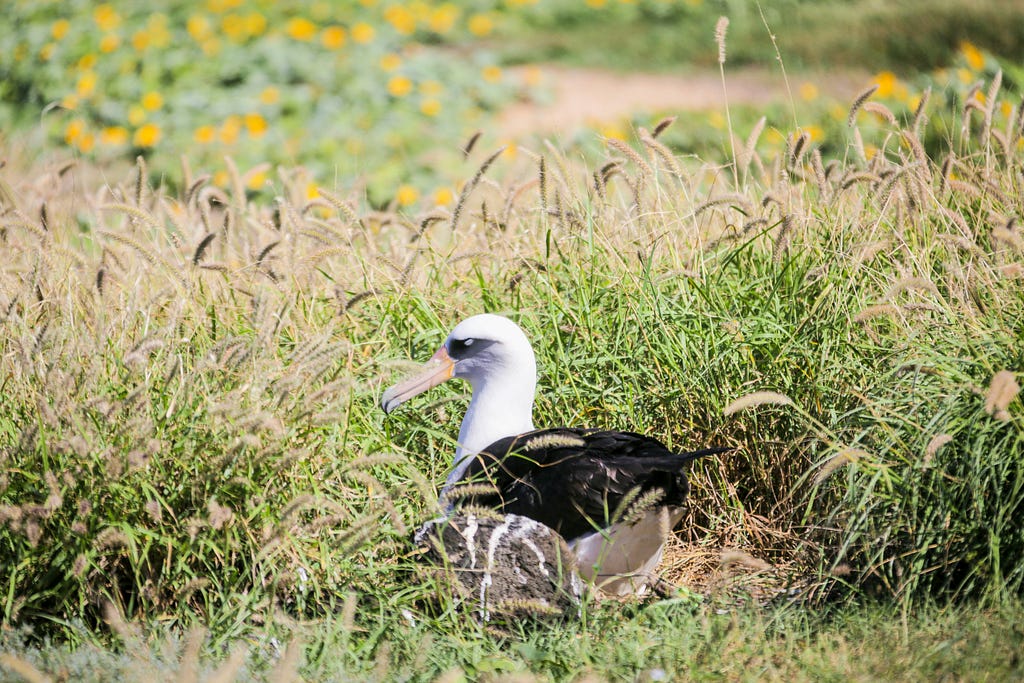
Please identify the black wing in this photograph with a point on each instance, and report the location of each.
(576, 480)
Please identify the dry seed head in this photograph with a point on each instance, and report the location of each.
(846, 456)
(660, 127)
(875, 311)
(635, 157)
(881, 111)
(858, 102)
(936, 442)
(720, 29)
(733, 557)
(554, 440)
(25, 670)
(1001, 391)
(912, 283)
(757, 398)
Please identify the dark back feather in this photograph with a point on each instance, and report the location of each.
(578, 480)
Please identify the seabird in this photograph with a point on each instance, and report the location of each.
(612, 495)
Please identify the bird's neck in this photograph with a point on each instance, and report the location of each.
(501, 406)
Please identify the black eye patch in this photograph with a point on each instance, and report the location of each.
(464, 348)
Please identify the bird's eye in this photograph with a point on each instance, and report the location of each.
(459, 348)
(467, 342)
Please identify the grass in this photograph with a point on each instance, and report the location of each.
(196, 477)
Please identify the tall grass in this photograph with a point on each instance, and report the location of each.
(190, 436)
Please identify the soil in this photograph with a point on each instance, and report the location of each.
(578, 97)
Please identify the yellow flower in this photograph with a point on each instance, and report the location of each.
(234, 27)
(300, 28)
(532, 75)
(46, 51)
(430, 106)
(210, 46)
(972, 55)
(808, 91)
(390, 62)
(70, 102)
(256, 180)
(86, 85)
(887, 83)
(255, 125)
(198, 27)
(491, 74)
(401, 19)
(443, 196)
(114, 135)
(86, 142)
(480, 25)
(106, 17)
(270, 95)
(140, 40)
(362, 33)
(204, 135)
(814, 132)
(109, 42)
(147, 135)
(333, 37)
(152, 101)
(230, 130)
(442, 18)
(255, 23)
(136, 115)
(406, 195)
(312, 191)
(73, 130)
(399, 86)
(596, 4)
(221, 178)
(60, 29)
(86, 62)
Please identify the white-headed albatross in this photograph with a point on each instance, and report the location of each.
(576, 481)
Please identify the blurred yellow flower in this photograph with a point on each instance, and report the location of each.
(887, 83)
(114, 135)
(972, 55)
(86, 142)
(401, 19)
(399, 86)
(270, 95)
(300, 28)
(255, 125)
(362, 33)
(808, 91)
(443, 196)
(86, 85)
(140, 40)
(480, 25)
(491, 74)
(430, 106)
(147, 135)
(234, 27)
(198, 27)
(106, 17)
(73, 130)
(46, 51)
(230, 130)
(814, 132)
(136, 115)
(256, 180)
(152, 101)
(60, 28)
(442, 18)
(312, 191)
(109, 42)
(204, 135)
(390, 62)
(86, 62)
(596, 4)
(333, 37)
(406, 195)
(255, 24)
(70, 101)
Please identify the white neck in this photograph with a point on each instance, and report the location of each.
(502, 405)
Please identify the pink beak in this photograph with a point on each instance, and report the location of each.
(439, 368)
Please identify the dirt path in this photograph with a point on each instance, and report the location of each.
(579, 97)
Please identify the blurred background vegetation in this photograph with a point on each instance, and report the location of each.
(387, 92)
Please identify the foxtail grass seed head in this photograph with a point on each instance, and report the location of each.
(858, 102)
(757, 398)
(1001, 391)
(846, 456)
(720, 29)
